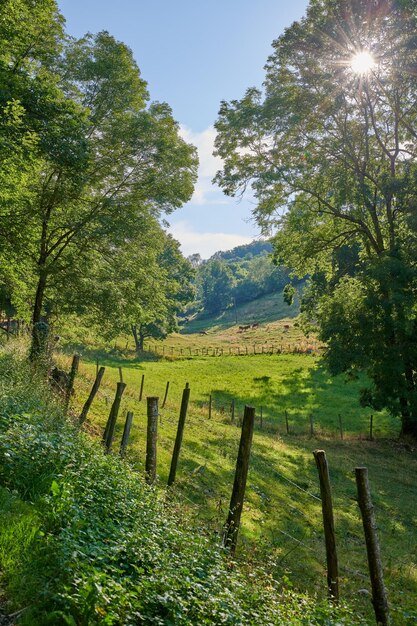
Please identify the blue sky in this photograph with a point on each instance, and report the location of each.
(193, 54)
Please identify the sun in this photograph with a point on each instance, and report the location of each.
(362, 62)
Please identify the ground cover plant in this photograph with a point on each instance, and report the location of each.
(84, 541)
(282, 516)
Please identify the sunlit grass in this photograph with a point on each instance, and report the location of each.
(281, 522)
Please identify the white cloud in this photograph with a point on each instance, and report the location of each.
(206, 244)
(209, 164)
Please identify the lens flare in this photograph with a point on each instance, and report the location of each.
(362, 62)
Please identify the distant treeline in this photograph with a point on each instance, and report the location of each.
(237, 276)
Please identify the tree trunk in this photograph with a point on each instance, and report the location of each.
(141, 338)
(408, 419)
(38, 343)
(40, 292)
(138, 337)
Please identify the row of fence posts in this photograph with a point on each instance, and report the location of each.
(232, 524)
(287, 424)
(100, 373)
(255, 348)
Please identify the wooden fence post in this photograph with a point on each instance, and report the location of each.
(89, 401)
(379, 594)
(209, 407)
(180, 431)
(231, 527)
(371, 428)
(328, 525)
(166, 394)
(141, 387)
(70, 386)
(126, 433)
(340, 426)
(114, 411)
(151, 439)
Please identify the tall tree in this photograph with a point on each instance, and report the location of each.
(330, 151)
(31, 108)
(138, 287)
(108, 160)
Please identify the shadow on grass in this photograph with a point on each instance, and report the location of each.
(112, 357)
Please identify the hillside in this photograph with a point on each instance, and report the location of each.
(281, 523)
(84, 540)
(268, 308)
(233, 285)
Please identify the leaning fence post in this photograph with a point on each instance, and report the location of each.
(126, 433)
(166, 394)
(180, 431)
(141, 387)
(89, 401)
(70, 386)
(379, 594)
(328, 524)
(340, 426)
(231, 527)
(114, 411)
(151, 439)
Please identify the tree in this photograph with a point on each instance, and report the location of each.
(108, 162)
(215, 286)
(31, 106)
(138, 287)
(330, 152)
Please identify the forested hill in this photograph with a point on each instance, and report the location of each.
(237, 276)
(247, 251)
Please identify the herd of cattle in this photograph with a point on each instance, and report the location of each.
(248, 326)
(256, 324)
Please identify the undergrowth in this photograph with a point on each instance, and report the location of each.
(84, 541)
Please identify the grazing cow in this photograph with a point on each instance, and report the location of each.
(203, 332)
(286, 328)
(245, 327)
(255, 325)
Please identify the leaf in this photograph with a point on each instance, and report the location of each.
(55, 489)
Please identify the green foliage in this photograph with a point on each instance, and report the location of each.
(88, 168)
(237, 276)
(103, 548)
(331, 158)
(216, 285)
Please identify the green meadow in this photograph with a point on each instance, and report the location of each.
(281, 522)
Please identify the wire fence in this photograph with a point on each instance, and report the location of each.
(253, 348)
(298, 523)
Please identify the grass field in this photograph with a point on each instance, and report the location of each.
(263, 310)
(281, 522)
